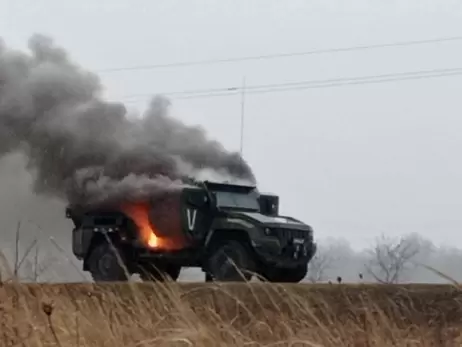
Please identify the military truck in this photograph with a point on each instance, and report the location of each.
(232, 232)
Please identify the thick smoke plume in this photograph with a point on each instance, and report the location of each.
(87, 150)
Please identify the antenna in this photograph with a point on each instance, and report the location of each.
(242, 115)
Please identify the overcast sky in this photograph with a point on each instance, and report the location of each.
(352, 161)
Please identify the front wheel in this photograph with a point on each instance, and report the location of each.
(230, 261)
(107, 264)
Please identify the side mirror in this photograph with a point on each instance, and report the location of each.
(269, 204)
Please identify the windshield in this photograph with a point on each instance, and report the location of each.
(237, 200)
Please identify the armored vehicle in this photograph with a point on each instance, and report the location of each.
(230, 231)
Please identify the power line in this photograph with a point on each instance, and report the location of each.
(195, 91)
(279, 55)
(358, 82)
(286, 84)
(298, 85)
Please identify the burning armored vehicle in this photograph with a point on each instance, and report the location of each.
(230, 231)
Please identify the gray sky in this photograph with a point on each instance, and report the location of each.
(352, 161)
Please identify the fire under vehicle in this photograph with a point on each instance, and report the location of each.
(231, 232)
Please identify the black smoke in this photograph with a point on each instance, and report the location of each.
(84, 149)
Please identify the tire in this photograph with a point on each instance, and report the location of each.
(287, 275)
(159, 272)
(104, 264)
(220, 267)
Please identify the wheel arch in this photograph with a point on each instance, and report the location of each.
(218, 237)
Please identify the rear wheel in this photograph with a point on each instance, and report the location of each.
(107, 263)
(230, 261)
(287, 275)
(160, 272)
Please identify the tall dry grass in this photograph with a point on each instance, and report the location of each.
(257, 314)
(253, 314)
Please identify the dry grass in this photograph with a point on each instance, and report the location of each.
(257, 314)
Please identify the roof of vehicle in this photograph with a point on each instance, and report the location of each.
(228, 187)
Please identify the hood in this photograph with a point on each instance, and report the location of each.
(279, 221)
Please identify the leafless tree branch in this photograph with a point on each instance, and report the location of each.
(320, 264)
(390, 259)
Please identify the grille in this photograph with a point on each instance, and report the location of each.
(287, 235)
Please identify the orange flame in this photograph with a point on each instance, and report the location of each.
(139, 213)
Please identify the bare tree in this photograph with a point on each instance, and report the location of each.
(390, 259)
(25, 268)
(36, 267)
(320, 264)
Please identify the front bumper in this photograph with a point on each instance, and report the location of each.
(298, 250)
(290, 255)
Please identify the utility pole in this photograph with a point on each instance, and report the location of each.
(242, 115)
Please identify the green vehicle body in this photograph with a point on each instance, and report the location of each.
(202, 218)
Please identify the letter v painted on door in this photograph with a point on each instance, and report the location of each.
(191, 215)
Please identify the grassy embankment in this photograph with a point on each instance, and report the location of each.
(256, 314)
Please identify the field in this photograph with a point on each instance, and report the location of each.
(257, 314)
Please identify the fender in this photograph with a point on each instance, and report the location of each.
(215, 235)
(81, 241)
